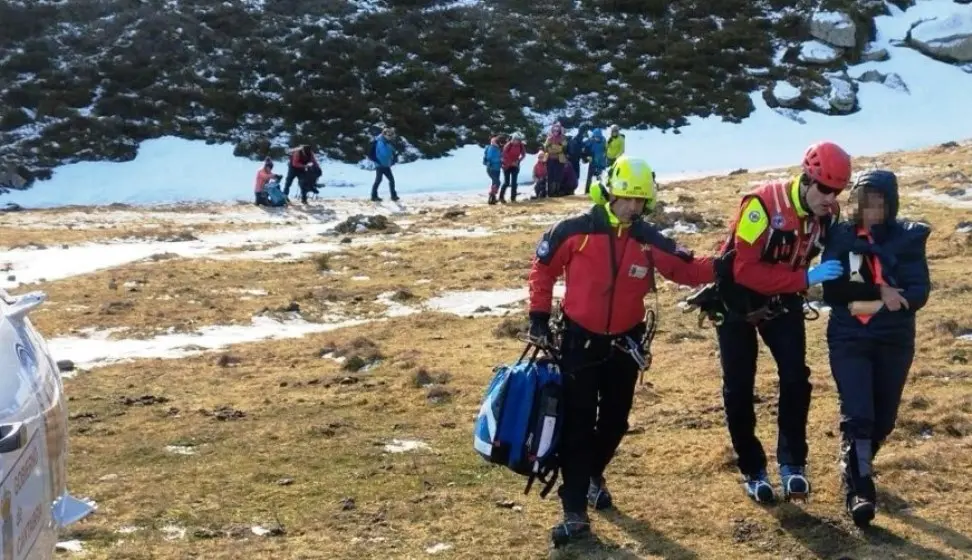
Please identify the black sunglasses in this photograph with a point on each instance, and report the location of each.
(825, 190)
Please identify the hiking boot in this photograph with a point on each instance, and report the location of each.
(759, 488)
(575, 526)
(492, 199)
(861, 510)
(795, 483)
(375, 199)
(598, 494)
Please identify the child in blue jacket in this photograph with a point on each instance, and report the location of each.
(871, 332)
(493, 160)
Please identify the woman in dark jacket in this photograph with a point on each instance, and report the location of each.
(871, 333)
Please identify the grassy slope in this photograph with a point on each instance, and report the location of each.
(673, 477)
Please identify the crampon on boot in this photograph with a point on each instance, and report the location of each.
(795, 484)
(575, 526)
(759, 489)
(598, 494)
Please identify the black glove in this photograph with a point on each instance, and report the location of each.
(540, 328)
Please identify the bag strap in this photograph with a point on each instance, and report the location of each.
(547, 475)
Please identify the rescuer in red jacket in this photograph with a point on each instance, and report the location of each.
(765, 268)
(608, 257)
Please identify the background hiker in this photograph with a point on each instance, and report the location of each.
(263, 176)
(575, 149)
(609, 268)
(540, 175)
(774, 237)
(384, 155)
(871, 331)
(555, 148)
(493, 160)
(595, 153)
(513, 153)
(615, 144)
(301, 162)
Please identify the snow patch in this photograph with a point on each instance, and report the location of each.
(404, 445)
(97, 350)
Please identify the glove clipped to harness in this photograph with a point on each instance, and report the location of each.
(540, 333)
(824, 272)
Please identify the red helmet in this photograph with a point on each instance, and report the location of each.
(828, 164)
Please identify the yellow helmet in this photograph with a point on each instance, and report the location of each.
(627, 177)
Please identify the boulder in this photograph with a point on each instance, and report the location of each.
(835, 28)
(786, 94)
(842, 97)
(815, 52)
(947, 38)
(873, 53)
(872, 76)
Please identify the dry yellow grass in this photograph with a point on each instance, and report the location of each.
(307, 458)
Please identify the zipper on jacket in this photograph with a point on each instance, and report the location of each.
(615, 266)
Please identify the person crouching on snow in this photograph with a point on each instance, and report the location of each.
(264, 175)
(493, 160)
(871, 331)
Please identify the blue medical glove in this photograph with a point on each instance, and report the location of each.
(824, 272)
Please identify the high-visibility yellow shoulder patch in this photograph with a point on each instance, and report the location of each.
(752, 222)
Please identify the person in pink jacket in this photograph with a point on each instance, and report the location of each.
(513, 153)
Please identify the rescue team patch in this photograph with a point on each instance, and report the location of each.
(754, 216)
(543, 249)
(777, 221)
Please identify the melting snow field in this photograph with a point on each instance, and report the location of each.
(934, 109)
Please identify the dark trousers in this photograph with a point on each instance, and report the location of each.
(510, 178)
(555, 176)
(292, 173)
(785, 336)
(592, 171)
(261, 199)
(383, 172)
(599, 384)
(494, 177)
(870, 375)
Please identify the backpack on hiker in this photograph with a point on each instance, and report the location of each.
(520, 419)
(274, 195)
(373, 150)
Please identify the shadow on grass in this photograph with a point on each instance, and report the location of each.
(828, 538)
(651, 541)
(895, 506)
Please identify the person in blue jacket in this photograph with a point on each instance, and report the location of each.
(595, 151)
(493, 160)
(575, 150)
(385, 157)
(871, 333)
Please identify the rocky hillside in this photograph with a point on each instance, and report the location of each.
(89, 79)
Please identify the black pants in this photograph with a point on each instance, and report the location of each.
(555, 176)
(292, 173)
(599, 384)
(785, 336)
(261, 199)
(383, 172)
(870, 376)
(510, 178)
(592, 172)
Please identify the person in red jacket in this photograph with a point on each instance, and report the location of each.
(302, 166)
(513, 153)
(609, 257)
(762, 274)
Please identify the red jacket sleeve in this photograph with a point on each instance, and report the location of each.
(765, 278)
(553, 254)
(295, 160)
(693, 272)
